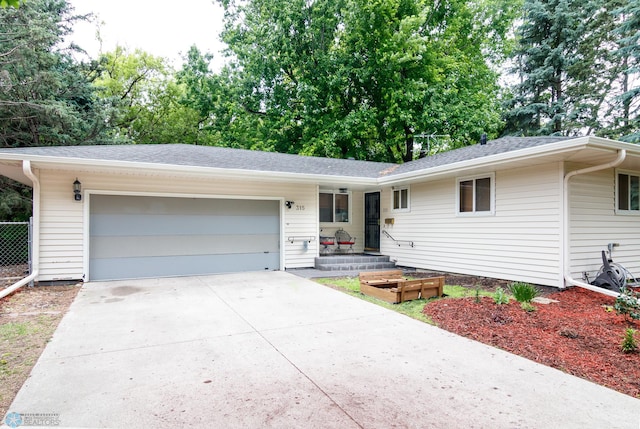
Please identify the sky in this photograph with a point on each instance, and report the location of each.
(160, 27)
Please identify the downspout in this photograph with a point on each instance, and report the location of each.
(622, 154)
(35, 263)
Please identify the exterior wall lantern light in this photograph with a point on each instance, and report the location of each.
(77, 189)
(288, 204)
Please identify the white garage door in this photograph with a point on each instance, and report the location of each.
(137, 237)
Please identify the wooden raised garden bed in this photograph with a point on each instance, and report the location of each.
(392, 287)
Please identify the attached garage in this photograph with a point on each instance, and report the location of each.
(148, 236)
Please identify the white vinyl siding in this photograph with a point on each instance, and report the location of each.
(594, 224)
(522, 242)
(62, 251)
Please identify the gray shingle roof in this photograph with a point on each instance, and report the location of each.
(477, 151)
(212, 157)
(219, 157)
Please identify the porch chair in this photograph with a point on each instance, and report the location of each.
(343, 238)
(326, 242)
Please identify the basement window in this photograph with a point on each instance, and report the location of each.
(476, 195)
(628, 195)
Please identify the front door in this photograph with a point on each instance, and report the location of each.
(372, 221)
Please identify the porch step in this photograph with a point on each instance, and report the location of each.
(353, 263)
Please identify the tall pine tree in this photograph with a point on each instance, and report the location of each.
(569, 69)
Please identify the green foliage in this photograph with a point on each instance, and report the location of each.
(528, 307)
(627, 304)
(456, 291)
(523, 292)
(46, 96)
(500, 297)
(143, 97)
(361, 78)
(12, 3)
(629, 343)
(576, 69)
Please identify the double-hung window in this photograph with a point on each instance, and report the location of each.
(400, 199)
(628, 198)
(334, 206)
(476, 195)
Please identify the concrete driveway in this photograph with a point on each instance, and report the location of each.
(275, 350)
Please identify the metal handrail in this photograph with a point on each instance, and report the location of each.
(398, 241)
(306, 238)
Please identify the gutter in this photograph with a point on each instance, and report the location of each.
(622, 154)
(35, 263)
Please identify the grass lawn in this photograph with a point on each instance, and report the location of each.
(413, 309)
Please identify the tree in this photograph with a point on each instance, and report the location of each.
(357, 78)
(210, 98)
(570, 75)
(46, 97)
(629, 52)
(130, 82)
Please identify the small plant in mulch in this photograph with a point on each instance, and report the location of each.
(629, 343)
(628, 305)
(500, 297)
(478, 294)
(524, 294)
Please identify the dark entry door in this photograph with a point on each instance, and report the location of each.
(372, 221)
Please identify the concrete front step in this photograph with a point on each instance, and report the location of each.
(353, 263)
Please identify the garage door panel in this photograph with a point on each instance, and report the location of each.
(127, 225)
(135, 237)
(174, 245)
(168, 266)
(125, 204)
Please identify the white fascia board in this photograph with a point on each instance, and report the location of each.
(39, 161)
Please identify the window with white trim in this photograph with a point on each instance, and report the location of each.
(476, 195)
(400, 200)
(628, 195)
(334, 207)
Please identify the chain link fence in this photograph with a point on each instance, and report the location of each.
(15, 251)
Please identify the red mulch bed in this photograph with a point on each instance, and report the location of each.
(576, 335)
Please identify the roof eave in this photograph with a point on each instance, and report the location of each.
(560, 147)
(40, 161)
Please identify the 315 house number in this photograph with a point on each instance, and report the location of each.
(299, 207)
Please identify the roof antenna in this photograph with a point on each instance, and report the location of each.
(483, 139)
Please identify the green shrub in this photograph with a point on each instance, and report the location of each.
(627, 303)
(523, 292)
(500, 297)
(528, 307)
(629, 344)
